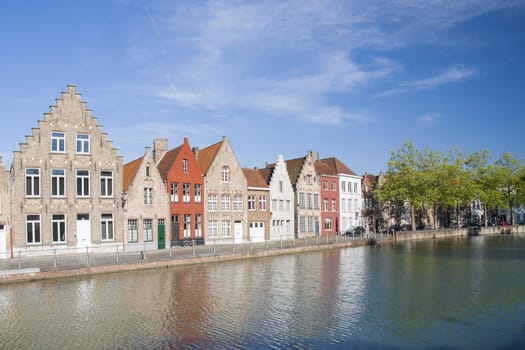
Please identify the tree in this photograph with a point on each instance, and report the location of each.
(508, 170)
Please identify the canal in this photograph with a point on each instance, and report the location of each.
(455, 293)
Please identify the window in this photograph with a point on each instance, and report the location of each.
(106, 183)
(175, 225)
(325, 185)
(197, 193)
(302, 225)
(106, 227)
(274, 204)
(33, 229)
(212, 202)
(310, 224)
(198, 225)
(187, 225)
(325, 204)
(58, 226)
(334, 206)
(309, 200)
(225, 202)
(83, 143)
(356, 205)
(213, 229)
(133, 232)
(281, 186)
(309, 179)
(225, 174)
(301, 200)
(343, 205)
(58, 141)
(148, 230)
(251, 203)
(334, 185)
(226, 231)
(328, 224)
(237, 203)
(185, 166)
(58, 182)
(32, 182)
(148, 195)
(316, 201)
(355, 188)
(186, 193)
(287, 205)
(281, 204)
(82, 183)
(343, 186)
(174, 194)
(147, 172)
(262, 203)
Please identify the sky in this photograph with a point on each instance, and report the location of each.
(347, 79)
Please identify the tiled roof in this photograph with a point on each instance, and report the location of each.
(207, 155)
(166, 162)
(267, 173)
(254, 178)
(294, 167)
(324, 169)
(130, 171)
(338, 166)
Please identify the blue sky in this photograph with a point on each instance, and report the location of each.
(350, 79)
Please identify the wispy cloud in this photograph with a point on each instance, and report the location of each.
(451, 75)
(428, 118)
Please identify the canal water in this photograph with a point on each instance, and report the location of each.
(440, 294)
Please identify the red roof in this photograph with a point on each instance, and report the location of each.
(254, 178)
(338, 166)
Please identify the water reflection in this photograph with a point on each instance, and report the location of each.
(467, 293)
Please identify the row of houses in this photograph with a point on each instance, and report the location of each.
(68, 188)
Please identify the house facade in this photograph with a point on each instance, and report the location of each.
(282, 204)
(4, 212)
(305, 183)
(329, 182)
(258, 198)
(349, 194)
(67, 183)
(146, 205)
(225, 187)
(182, 174)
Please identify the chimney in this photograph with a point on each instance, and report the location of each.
(195, 151)
(160, 148)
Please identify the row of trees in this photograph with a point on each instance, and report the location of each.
(430, 183)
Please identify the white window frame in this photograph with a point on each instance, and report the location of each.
(238, 203)
(82, 178)
(58, 228)
(226, 228)
(225, 202)
(187, 225)
(133, 231)
(147, 225)
(198, 225)
(212, 202)
(186, 192)
(251, 203)
(174, 192)
(32, 183)
(213, 229)
(58, 141)
(107, 229)
(33, 221)
(197, 193)
(262, 203)
(58, 183)
(83, 143)
(106, 183)
(148, 195)
(225, 174)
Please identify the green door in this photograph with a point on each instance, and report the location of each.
(161, 236)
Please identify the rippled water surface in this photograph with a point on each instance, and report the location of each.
(464, 293)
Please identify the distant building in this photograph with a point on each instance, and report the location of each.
(67, 183)
(258, 203)
(146, 204)
(329, 182)
(4, 212)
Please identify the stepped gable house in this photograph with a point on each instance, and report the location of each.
(182, 174)
(224, 185)
(281, 200)
(67, 182)
(146, 204)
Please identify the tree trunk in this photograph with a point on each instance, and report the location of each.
(413, 217)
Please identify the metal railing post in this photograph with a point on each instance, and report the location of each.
(87, 256)
(193, 246)
(19, 260)
(55, 258)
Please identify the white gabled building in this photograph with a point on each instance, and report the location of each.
(282, 218)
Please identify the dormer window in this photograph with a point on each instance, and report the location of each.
(225, 174)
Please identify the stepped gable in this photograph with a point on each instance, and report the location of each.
(294, 167)
(167, 160)
(338, 166)
(208, 154)
(254, 178)
(130, 171)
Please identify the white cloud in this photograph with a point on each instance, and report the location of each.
(429, 118)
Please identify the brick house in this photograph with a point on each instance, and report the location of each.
(146, 208)
(282, 207)
(225, 188)
(4, 212)
(258, 202)
(349, 194)
(307, 191)
(182, 174)
(67, 183)
(329, 182)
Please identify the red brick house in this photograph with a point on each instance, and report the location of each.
(329, 182)
(182, 174)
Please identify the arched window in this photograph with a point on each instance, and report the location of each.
(225, 174)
